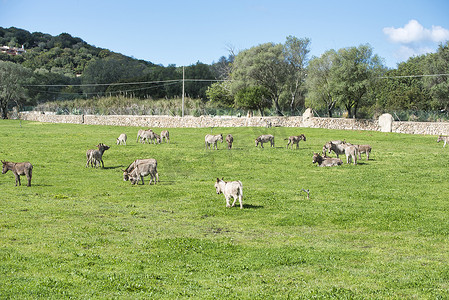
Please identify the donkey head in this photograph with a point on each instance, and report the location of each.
(102, 147)
(317, 158)
(218, 185)
(5, 167)
(125, 175)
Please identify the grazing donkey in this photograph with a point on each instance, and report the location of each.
(230, 189)
(265, 138)
(94, 156)
(326, 161)
(139, 135)
(229, 140)
(295, 140)
(143, 169)
(156, 138)
(443, 138)
(22, 168)
(212, 140)
(147, 136)
(134, 164)
(344, 148)
(142, 133)
(121, 140)
(165, 135)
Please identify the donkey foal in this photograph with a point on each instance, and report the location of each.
(230, 189)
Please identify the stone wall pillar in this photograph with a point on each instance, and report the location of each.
(386, 123)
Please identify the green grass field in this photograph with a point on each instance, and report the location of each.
(378, 230)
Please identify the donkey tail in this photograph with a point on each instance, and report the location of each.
(240, 188)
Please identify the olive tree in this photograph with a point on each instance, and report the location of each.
(296, 55)
(438, 85)
(253, 97)
(264, 66)
(321, 92)
(12, 90)
(353, 70)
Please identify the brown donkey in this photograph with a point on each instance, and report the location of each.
(22, 168)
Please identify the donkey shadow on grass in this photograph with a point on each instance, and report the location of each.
(251, 206)
(112, 168)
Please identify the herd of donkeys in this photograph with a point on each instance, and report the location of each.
(140, 168)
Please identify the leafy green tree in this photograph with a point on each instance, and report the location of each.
(353, 70)
(320, 85)
(401, 89)
(220, 93)
(264, 66)
(296, 54)
(253, 97)
(438, 86)
(12, 79)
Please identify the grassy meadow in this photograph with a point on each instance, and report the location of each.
(377, 230)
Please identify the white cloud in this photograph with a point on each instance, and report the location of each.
(414, 32)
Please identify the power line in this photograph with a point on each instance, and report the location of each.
(412, 76)
(124, 83)
(102, 84)
(104, 92)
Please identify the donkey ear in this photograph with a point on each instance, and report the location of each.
(218, 179)
(222, 178)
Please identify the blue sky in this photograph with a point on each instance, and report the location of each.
(185, 32)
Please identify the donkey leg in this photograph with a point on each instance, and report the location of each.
(29, 177)
(235, 199)
(17, 179)
(227, 201)
(240, 200)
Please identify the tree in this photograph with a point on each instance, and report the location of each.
(253, 97)
(438, 63)
(319, 82)
(197, 88)
(400, 89)
(296, 52)
(264, 66)
(219, 92)
(12, 79)
(352, 71)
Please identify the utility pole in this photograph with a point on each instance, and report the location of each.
(183, 91)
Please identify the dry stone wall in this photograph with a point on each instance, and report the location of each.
(430, 128)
